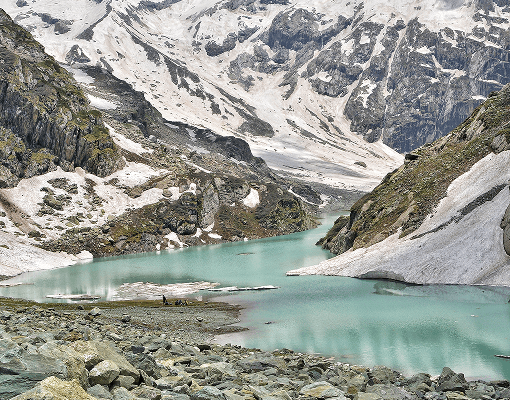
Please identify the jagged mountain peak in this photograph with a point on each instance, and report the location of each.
(324, 91)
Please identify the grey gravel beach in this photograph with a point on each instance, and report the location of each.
(146, 350)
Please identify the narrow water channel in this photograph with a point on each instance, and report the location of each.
(406, 327)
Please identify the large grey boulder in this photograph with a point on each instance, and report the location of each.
(147, 392)
(261, 362)
(100, 392)
(221, 369)
(382, 374)
(121, 393)
(322, 390)
(208, 393)
(75, 366)
(93, 352)
(53, 388)
(450, 381)
(390, 392)
(104, 373)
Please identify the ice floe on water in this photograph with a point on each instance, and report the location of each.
(243, 289)
(154, 291)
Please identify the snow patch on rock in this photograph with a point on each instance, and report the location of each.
(100, 103)
(252, 200)
(18, 255)
(173, 237)
(125, 143)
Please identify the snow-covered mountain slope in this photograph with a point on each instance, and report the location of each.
(303, 82)
(155, 47)
(443, 217)
(86, 182)
(468, 251)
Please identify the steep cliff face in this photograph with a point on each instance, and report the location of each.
(440, 217)
(45, 119)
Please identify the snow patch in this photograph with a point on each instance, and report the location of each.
(423, 50)
(365, 39)
(100, 103)
(84, 255)
(173, 237)
(134, 174)
(80, 75)
(125, 143)
(21, 256)
(324, 76)
(252, 200)
(368, 87)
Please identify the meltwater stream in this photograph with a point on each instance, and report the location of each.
(409, 328)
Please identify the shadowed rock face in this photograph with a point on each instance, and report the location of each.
(505, 225)
(45, 120)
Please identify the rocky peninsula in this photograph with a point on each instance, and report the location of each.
(147, 350)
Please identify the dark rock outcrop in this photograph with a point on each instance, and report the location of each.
(76, 55)
(213, 49)
(505, 225)
(217, 200)
(45, 119)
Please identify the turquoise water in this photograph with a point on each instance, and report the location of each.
(406, 327)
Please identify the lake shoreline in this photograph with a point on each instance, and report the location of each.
(147, 350)
(364, 322)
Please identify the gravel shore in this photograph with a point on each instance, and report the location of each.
(133, 350)
(196, 321)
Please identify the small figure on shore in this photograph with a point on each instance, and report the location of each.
(164, 300)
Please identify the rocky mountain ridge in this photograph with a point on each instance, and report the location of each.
(318, 90)
(44, 119)
(440, 217)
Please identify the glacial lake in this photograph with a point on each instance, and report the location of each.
(408, 328)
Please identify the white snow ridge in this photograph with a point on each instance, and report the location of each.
(469, 251)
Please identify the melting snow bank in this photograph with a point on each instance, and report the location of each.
(461, 242)
(18, 255)
(154, 291)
